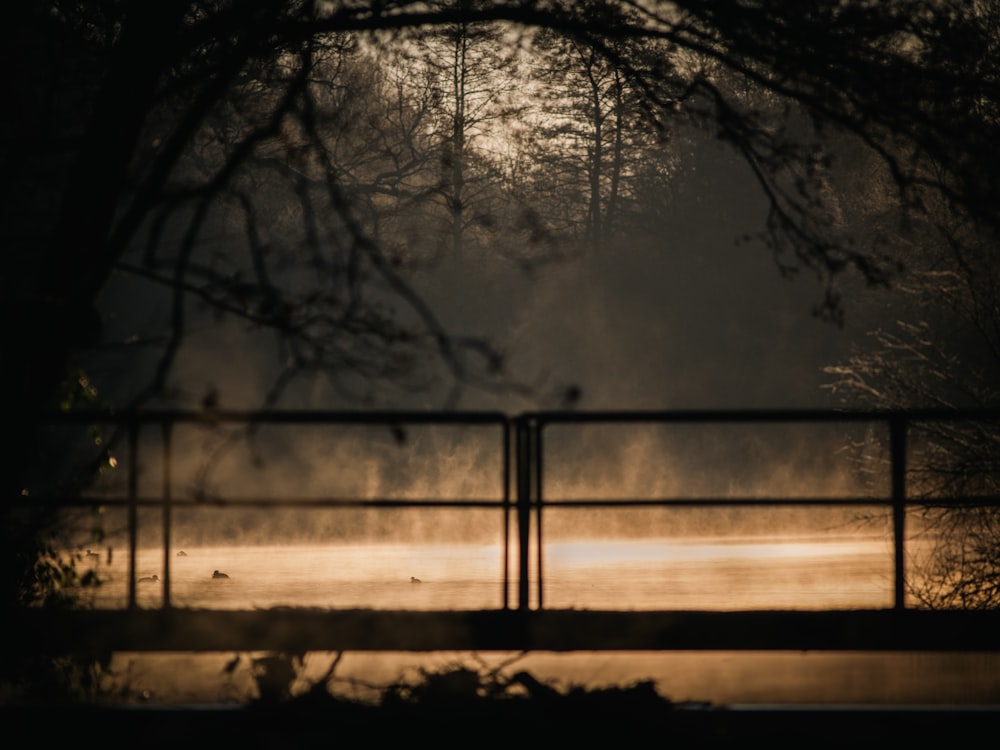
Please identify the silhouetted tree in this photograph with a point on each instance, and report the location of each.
(470, 70)
(137, 125)
(942, 352)
(591, 132)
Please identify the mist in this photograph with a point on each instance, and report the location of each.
(694, 315)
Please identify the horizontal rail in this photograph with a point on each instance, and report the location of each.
(260, 502)
(674, 416)
(298, 630)
(716, 416)
(728, 502)
(275, 416)
(608, 502)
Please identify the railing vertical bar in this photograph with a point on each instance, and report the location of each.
(133, 512)
(505, 484)
(897, 447)
(167, 509)
(537, 447)
(523, 512)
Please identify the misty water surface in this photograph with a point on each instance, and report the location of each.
(807, 572)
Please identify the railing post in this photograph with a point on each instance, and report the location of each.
(897, 450)
(522, 466)
(505, 481)
(133, 502)
(536, 452)
(167, 514)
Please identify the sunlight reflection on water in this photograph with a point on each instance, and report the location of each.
(648, 574)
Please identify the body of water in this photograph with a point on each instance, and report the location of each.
(694, 573)
(649, 574)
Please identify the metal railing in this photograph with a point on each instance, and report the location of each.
(531, 428)
(521, 448)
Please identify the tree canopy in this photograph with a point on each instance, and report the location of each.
(125, 116)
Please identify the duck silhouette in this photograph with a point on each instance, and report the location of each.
(219, 574)
(91, 553)
(153, 578)
(414, 579)
(181, 553)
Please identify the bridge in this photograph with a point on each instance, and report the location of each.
(521, 620)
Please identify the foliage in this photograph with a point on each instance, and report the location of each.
(468, 686)
(943, 352)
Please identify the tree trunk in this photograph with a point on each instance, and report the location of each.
(53, 313)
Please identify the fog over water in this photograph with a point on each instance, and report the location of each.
(694, 320)
(689, 317)
(715, 573)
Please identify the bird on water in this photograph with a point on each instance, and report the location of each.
(218, 574)
(413, 579)
(153, 578)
